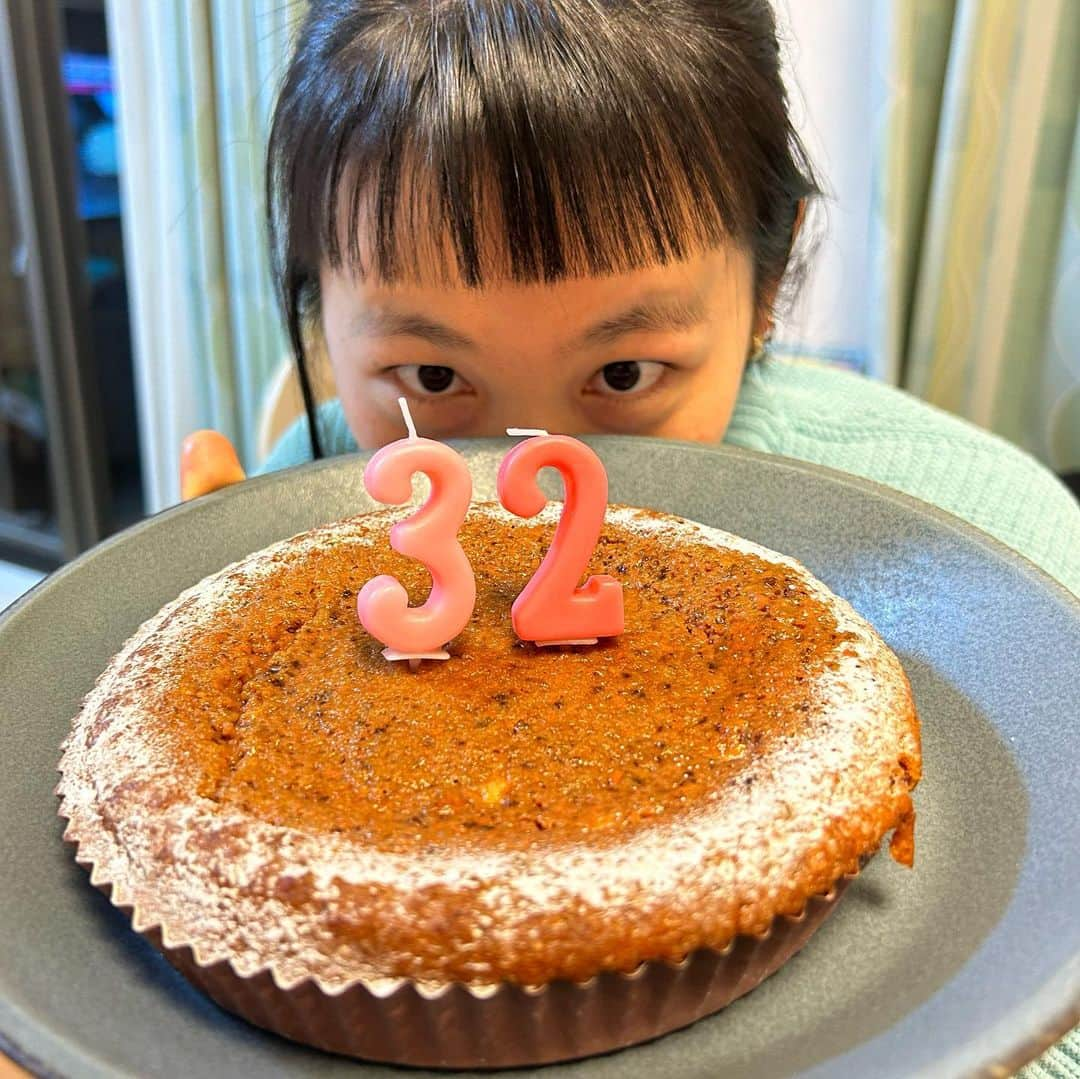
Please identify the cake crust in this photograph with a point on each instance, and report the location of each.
(521, 816)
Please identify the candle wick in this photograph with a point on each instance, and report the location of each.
(407, 416)
(525, 432)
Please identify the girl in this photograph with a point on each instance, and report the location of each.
(577, 215)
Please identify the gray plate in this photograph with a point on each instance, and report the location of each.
(970, 960)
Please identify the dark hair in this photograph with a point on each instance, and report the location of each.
(599, 136)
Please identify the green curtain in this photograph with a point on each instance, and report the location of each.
(1059, 399)
(196, 82)
(976, 215)
(232, 54)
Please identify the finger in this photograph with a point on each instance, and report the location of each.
(207, 462)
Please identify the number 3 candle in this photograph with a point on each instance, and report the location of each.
(552, 609)
(430, 536)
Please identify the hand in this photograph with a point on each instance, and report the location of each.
(207, 462)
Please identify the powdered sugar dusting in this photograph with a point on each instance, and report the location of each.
(258, 894)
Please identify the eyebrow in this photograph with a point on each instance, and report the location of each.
(386, 322)
(665, 311)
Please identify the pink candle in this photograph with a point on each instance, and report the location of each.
(430, 536)
(552, 609)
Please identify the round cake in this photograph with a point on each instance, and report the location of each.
(279, 805)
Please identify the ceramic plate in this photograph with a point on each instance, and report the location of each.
(971, 960)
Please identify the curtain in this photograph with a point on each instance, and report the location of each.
(831, 69)
(1059, 399)
(196, 81)
(975, 245)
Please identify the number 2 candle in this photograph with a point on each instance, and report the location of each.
(430, 536)
(552, 609)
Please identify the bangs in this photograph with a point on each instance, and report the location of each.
(555, 140)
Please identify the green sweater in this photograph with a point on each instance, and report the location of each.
(844, 421)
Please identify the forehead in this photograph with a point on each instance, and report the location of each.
(704, 287)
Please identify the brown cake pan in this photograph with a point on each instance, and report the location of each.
(455, 1026)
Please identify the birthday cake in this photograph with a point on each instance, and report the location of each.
(402, 864)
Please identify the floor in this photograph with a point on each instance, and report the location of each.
(14, 581)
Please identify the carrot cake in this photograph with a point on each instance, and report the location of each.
(252, 778)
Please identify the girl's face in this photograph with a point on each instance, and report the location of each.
(658, 351)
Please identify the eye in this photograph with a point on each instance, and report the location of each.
(626, 378)
(430, 380)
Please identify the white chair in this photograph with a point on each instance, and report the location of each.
(283, 401)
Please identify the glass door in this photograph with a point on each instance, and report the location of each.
(87, 74)
(27, 508)
(53, 478)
